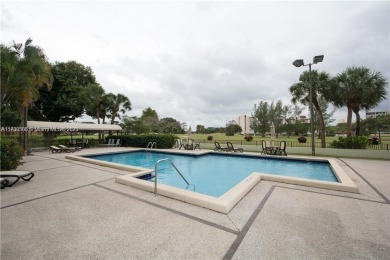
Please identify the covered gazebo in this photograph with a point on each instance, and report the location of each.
(45, 126)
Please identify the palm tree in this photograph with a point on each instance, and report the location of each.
(8, 77)
(301, 93)
(358, 88)
(24, 69)
(94, 95)
(34, 68)
(119, 103)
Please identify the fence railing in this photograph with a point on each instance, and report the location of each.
(379, 146)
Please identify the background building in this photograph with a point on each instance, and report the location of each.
(374, 114)
(245, 122)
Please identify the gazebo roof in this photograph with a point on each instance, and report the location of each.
(74, 127)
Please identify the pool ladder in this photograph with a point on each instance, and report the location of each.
(156, 174)
(150, 146)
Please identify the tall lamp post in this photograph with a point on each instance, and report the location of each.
(299, 63)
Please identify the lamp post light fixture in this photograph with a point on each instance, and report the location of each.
(299, 63)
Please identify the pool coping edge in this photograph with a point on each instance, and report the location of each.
(229, 199)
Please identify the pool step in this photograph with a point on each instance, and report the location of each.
(148, 176)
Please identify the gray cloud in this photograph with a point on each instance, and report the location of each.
(205, 62)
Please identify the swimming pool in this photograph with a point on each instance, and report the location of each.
(137, 171)
(215, 174)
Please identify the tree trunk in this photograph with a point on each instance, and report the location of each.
(356, 108)
(98, 119)
(357, 131)
(321, 122)
(349, 121)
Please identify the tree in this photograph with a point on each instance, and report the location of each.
(24, 69)
(376, 125)
(119, 103)
(10, 117)
(327, 115)
(64, 102)
(106, 104)
(94, 96)
(358, 88)
(9, 85)
(212, 130)
(300, 91)
(261, 123)
(233, 129)
(149, 119)
(169, 125)
(277, 114)
(133, 125)
(200, 129)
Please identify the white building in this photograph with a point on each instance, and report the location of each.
(245, 122)
(374, 114)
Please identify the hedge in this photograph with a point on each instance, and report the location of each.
(11, 154)
(350, 142)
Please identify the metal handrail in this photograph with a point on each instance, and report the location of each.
(156, 174)
(151, 144)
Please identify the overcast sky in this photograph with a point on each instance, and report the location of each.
(204, 62)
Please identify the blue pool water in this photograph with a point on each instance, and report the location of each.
(214, 174)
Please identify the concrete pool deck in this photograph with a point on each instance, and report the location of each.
(75, 210)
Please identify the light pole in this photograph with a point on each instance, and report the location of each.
(299, 63)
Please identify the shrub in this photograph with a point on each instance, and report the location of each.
(210, 137)
(302, 139)
(248, 138)
(331, 133)
(350, 142)
(11, 154)
(374, 140)
(164, 141)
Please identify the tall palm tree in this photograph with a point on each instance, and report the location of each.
(8, 77)
(120, 103)
(301, 93)
(34, 67)
(358, 88)
(24, 69)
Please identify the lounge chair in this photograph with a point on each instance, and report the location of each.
(24, 175)
(230, 148)
(84, 143)
(218, 147)
(282, 148)
(73, 142)
(109, 143)
(3, 182)
(77, 148)
(118, 143)
(56, 149)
